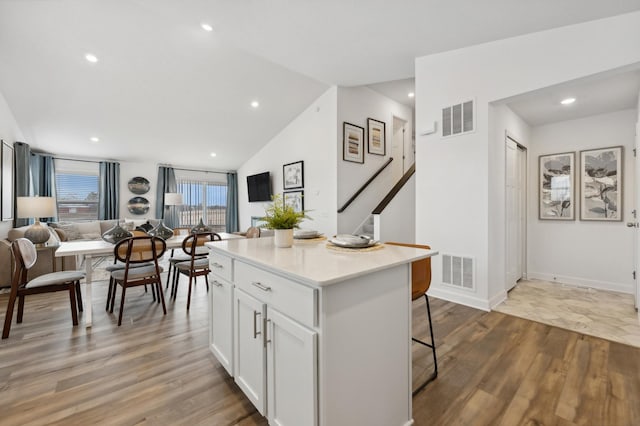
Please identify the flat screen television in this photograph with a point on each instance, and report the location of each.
(259, 187)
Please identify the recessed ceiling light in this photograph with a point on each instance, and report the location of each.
(411, 94)
(255, 104)
(94, 139)
(91, 58)
(207, 27)
(568, 101)
(213, 154)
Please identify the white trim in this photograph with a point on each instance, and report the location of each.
(583, 282)
(441, 292)
(498, 299)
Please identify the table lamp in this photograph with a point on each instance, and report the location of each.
(172, 199)
(36, 207)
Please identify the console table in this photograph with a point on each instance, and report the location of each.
(315, 336)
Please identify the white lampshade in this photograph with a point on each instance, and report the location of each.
(173, 199)
(36, 207)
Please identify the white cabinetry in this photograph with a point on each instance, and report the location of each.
(250, 354)
(291, 372)
(221, 311)
(275, 360)
(319, 337)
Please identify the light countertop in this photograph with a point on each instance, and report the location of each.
(312, 262)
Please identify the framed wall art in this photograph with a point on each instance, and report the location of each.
(376, 142)
(556, 186)
(6, 165)
(601, 184)
(353, 143)
(294, 199)
(293, 175)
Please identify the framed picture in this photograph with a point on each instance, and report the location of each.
(556, 186)
(353, 143)
(293, 175)
(294, 199)
(601, 184)
(6, 201)
(376, 143)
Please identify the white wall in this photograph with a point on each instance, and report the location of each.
(10, 133)
(460, 180)
(397, 220)
(309, 137)
(594, 254)
(129, 170)
(355, 105)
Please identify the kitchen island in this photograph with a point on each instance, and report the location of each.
(314, 335)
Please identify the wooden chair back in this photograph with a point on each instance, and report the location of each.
(192, 242)
(25, 255)
(139, 249)
(181, 231)
(253, 232)
(420, 271)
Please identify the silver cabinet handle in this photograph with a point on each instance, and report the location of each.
(216, 283)
(261, 286)
(217, 265)
(265, 323)
(255, 324)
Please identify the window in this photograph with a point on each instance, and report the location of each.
(77, 190)
(205, 196)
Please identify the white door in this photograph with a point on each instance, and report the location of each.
(292, 375)
(221, 322)
(249, 351)
(515, 212)
(512, 214)
(635, 221)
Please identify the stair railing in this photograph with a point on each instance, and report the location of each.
(364, 186)
(394, 191)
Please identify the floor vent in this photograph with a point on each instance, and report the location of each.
(458, 119)
(458, 271)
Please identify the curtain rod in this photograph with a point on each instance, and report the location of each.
(75, 159)
(198, 170)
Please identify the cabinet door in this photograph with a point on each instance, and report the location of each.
(292, 375)
(221, 322)
(249, 351)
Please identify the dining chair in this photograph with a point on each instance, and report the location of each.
(173, 259)
(133, 252)
(253, 232)
(420, 283)
(196, 266)
(25, 255)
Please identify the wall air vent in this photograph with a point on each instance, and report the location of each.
(458, 271)
(458, 119)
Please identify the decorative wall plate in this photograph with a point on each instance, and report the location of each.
(138, 205)
(139, 185)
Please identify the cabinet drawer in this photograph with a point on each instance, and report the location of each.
(221, 266)
(292, 299)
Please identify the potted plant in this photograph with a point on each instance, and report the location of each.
(282, 219)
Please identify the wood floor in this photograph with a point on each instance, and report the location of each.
(156, 370)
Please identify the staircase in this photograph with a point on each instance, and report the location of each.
(366, 228)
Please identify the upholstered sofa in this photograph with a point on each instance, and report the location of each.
(60, 231)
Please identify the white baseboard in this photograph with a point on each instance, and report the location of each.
(583, 282)
(498, 299)
(459, 297)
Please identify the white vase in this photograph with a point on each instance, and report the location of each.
(283, 237)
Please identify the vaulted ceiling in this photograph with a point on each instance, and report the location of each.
(165, 90)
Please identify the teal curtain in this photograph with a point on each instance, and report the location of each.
(232, 202)
(22, 157)
(166, 183)
(109, 190)
(43, 176)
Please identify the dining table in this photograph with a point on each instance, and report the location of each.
(88, 249)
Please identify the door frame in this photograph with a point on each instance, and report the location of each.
(524, 205)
